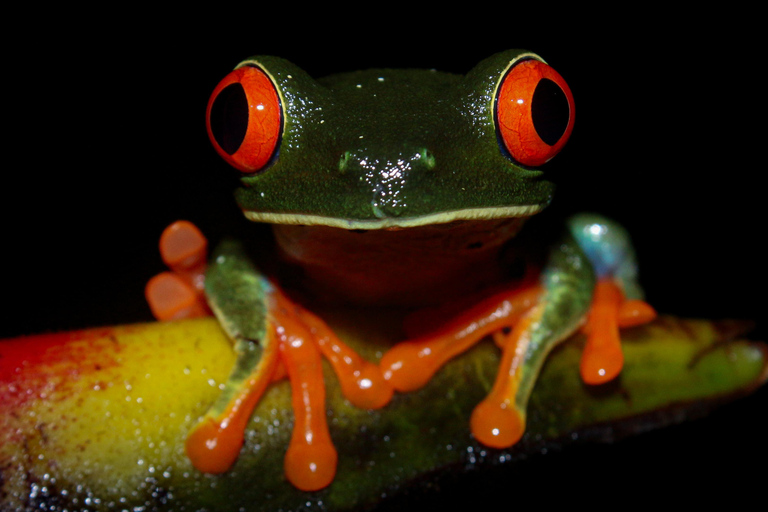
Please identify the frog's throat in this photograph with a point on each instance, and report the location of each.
(501, 212)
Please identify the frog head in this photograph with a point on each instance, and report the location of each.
(389, 149)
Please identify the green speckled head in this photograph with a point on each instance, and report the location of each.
(390, 148)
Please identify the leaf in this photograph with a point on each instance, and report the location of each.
(97, 419)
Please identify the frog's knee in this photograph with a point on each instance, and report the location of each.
(609, 249)
(605, 241)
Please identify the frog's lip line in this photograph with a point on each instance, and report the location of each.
(504, 212)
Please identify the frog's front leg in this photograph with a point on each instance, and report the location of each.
(536, 316)
(275, 337)
(527, 323)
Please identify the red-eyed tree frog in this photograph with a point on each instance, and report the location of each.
(403, 187)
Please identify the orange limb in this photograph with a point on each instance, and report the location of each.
(310, 462)
(498, 421)
(361, 381)
(180, 293)
(603, 359)
(635, 312)
(409, 365)
(214, 444)
(297, 339)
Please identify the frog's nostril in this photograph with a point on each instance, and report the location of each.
(388, 165)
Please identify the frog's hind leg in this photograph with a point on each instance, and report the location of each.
(537, 316)
(591, 273)
(617, 298)
(593, 256)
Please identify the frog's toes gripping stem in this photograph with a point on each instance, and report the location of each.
(290, 341)
(274, 338)
(310, 461)
(410, 364)
(528, 322)
(603, 359)
(536, 317)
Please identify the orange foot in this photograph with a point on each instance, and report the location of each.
(179, 293)
(295, 340)
(511, 317)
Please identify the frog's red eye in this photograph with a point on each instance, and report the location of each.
(534, 112)
(244, 119)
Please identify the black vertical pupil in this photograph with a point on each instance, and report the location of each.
(550, 111)
(229, 118)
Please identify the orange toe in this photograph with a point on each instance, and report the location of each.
(170, 297)
(635, 312)
(310, 467)
(602, 359)
(211, 448)
(183, 246)
(497, 424)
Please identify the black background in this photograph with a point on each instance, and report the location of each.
(109, 146)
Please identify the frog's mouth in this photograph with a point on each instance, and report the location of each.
(467, 214)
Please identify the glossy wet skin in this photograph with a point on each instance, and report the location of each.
(398, 188)
(379, 150)
(385, 148)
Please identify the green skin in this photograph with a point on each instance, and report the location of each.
(362, 153)
(382, 148)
